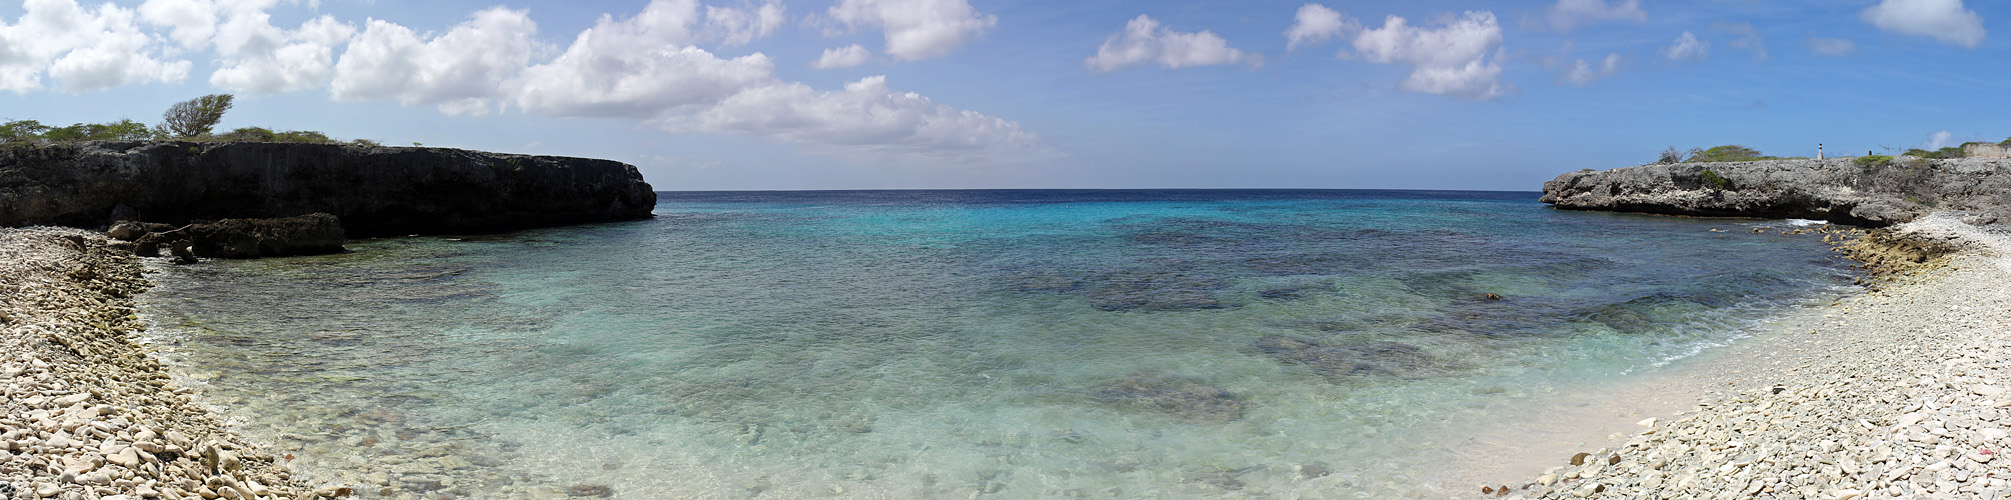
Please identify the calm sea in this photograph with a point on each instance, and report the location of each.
(962, 344)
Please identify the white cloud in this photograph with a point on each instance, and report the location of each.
(1144, 40)
(83, 50)
(867, 115)
(460, 70)
(1748, 38)
(1316, 23)
(1687, 48)
(191, 22)
(1944, 20)
(643, 67)
(1570, 14)
(741, 25)
(1453, 60)
(1832, 46)
(1938, 140)
(1583, 72)
(842, 57)
(916, 29)
(257, 57)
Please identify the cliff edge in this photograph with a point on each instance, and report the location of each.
(375, 191)
(1843, 190)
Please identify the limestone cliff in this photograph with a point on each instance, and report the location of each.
(1842, 190)
(375, 191)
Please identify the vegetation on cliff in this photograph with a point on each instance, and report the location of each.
(191, 120)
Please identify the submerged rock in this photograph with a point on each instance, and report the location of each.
(1358, 359)
(1183, 398)
(1155, 291)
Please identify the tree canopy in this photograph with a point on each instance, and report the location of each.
(194, 117)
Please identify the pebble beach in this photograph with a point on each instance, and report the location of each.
(89, 413)
(1899, 392)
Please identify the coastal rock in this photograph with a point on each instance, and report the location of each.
(1341, 362)
(1183, 398)
(310, 234)
(1838, 189)
(375, 191)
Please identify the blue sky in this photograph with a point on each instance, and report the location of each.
(849, 94)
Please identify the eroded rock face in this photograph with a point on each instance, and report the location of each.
(1839, 190)
(311, 234)
(375, 191)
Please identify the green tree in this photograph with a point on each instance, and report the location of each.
(194, 117)
(22, 130)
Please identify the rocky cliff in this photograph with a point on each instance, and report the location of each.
(1843, 190)
(375, 191)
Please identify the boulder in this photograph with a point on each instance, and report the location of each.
(310, 234)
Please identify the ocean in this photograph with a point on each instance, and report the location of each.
(963, 344)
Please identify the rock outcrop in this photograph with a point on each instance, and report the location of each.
(1843, 190)
(310, 234)
(375, 191)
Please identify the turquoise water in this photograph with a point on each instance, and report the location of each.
(1015, 344)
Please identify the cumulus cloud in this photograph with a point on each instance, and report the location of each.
(1316, 23)
(1746, 37)
(1832, 46)
(644, 68)
(1567, 15)
(916, 29)
(459, 70)
(191, 23)
(842, 57)
(83, 50)
(1145, 41)
(1944, 20)
(1687, 48)
(257, 57)
(744, 24)
(866, 114)
(1460, 59)
(1583, 72)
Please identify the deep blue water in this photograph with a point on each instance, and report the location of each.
(937, 344)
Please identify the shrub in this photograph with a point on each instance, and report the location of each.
(2006, 143)
(1873, 161)
(1939, 154)
(365, 142)
(1670, 156)
(247, 134)
(1728, 152)
(194, 117)
(1712, 179)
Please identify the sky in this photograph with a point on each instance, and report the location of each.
(967, 94)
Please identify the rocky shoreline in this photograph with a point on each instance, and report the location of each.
(89, 413)
(1900, 392)
(1865, 191)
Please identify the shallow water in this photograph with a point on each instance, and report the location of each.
(1016, 344)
